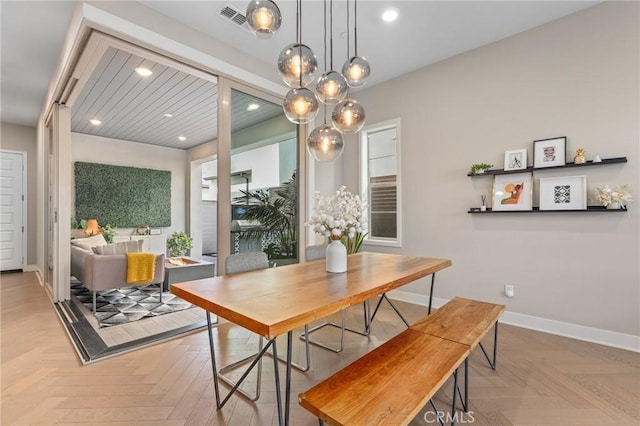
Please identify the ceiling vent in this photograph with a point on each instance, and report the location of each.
(233, 15)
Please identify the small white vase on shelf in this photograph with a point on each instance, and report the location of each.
(614, 205)
(336, 257)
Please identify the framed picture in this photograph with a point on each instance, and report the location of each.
(549, 152)
(515, 159)
(563, 193)
(513, 192)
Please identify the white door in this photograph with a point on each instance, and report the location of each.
(12, 194)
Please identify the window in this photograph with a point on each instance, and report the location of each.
(380, 181)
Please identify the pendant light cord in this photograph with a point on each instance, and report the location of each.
(325, 54)
(299, 36)
(355, 26)
(348, 42)
(331, 32)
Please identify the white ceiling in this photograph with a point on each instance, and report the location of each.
(426, 32)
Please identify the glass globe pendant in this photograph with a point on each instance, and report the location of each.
(300, 105)
(348, 116)
(356, 71)
(325, 143)
(331, 88)
(264, 18)
(297, 65)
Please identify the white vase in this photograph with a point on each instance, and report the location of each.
(336, 257)
(613, 206)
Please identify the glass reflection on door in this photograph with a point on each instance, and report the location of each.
(264, 188)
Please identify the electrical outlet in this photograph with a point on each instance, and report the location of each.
(509, 290)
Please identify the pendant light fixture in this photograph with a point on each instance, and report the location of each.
(356, 70)
(300, 104)
(325, 142)
(331, 86)
(297, 63)
(348, 116)
(263, 17)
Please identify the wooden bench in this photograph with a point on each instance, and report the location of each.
(392, 383)
(467, 322)
(388, 385)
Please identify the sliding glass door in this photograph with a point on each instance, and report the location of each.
(264, 189)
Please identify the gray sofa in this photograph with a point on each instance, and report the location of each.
(100, 272)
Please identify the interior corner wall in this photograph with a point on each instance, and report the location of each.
(576, 77)
(23, 138)
(96, 149)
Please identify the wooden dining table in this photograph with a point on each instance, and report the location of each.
(275, 301)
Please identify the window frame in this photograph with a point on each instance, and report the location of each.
(363, 159)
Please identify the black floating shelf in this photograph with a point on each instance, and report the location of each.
(567, 165)
(590, 209)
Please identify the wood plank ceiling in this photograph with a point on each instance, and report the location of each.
(131, 107)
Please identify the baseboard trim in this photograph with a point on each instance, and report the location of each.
(575, 331)
(30, 268)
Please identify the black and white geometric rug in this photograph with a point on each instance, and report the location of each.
(127, 304)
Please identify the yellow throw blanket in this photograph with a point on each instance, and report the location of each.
(140, 267)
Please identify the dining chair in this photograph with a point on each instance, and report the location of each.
(247, 262)
(316, 252)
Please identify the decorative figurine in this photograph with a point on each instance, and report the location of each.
(579, 158)
(597, 159)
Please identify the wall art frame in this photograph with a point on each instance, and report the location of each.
(515, 159)
(512, 192)
(549, 152)
(563, 193)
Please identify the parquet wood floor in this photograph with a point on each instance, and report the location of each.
(541, 378)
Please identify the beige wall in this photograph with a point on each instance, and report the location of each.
(576, 77)
(22, 138)
(117, 152)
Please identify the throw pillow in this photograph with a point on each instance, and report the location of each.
(89, 242)
(122, 247)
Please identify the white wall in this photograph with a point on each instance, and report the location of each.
(97, 149)
(23, 138)
(576, 77)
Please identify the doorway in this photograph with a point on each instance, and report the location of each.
(13, 183)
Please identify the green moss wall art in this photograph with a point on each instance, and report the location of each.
(123, 197)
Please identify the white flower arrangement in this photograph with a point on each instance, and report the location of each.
(605, 195)
(339, 216)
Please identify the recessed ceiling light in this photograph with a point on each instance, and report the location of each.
(144, 72)
(95, 122)
(168, 115)
(389, 15)
(182, 138)
(252, 107)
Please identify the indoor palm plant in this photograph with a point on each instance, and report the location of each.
(277, 213)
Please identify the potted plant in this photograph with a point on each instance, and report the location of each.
(108, 233)
(178, 244)
(480, 168)
(613, 198)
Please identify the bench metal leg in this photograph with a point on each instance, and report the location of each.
(464, 398)
(435, 410)
(492, 363)
(453, 404)
(433, 280)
